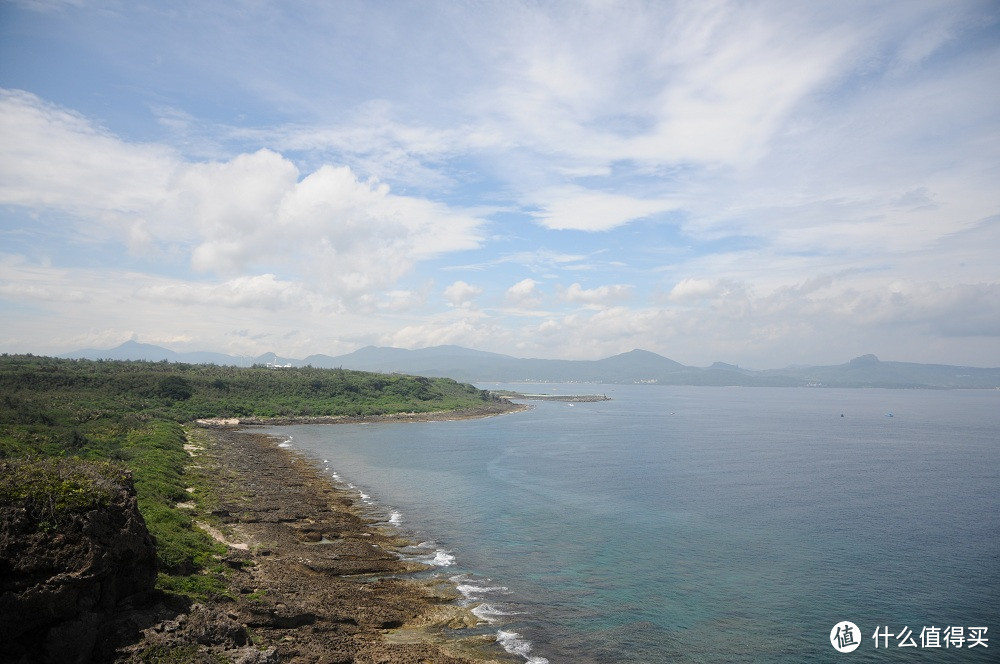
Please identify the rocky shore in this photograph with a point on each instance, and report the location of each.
(309, 580)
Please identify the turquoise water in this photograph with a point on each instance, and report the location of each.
(686, 524)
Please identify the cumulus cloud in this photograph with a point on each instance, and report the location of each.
(462, 295)
(346, 236)
(600, 297)
(524, 294)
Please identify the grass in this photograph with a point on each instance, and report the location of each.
(178, 655)
(51, 489)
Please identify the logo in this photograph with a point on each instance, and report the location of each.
(845, 636)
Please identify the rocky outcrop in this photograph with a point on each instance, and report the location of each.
(61, 580)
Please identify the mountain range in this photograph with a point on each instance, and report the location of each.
(636, 366)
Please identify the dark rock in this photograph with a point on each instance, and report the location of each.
(213, 627)
(281, 617)
(254, 656)
(61, 583)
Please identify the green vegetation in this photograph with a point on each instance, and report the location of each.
(82, 397)
(51, 489)
(72, 430)
(178, 655)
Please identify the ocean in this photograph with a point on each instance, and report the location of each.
(702, 524)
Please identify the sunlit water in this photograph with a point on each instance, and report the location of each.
(685, 524)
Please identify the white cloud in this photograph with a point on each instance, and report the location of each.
(56, 159)
(462, 327)
(100, 307)
(575, 208)
(542, 260)
(701, 83)
(600, 297)
(462, 295)
(263, 291)
(402, 300)
(524, 294)
(348, 237)
(695, 290)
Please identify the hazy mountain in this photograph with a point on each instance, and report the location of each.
(636, 366)
(869, 371)
(133, 350)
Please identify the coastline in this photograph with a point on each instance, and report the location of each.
(309, 579)
(496, 408)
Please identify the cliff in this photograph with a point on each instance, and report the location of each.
(73, 549)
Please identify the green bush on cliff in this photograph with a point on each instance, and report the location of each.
(50, 489)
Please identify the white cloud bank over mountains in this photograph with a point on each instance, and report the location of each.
(760, 183)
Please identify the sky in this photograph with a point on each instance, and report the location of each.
(759, 183)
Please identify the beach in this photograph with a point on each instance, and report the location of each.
(309, 578)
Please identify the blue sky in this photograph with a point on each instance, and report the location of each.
(761, 183)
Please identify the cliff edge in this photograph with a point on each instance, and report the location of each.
(73, 550)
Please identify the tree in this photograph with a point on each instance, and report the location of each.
(175, 387)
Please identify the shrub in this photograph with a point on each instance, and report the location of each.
(52, 488)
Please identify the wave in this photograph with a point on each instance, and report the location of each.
(515, 644)
(442, 558)
(474, 591)
(395, 518)
(491, 613)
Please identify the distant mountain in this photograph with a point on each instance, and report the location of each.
(869, 371)
(636, 366)
(133, 350)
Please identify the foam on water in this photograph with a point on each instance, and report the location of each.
(395, 518)
(442, 558)
(472, 591)
(491, 614)
(515, 644)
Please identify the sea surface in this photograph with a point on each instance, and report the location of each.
(700, 524)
